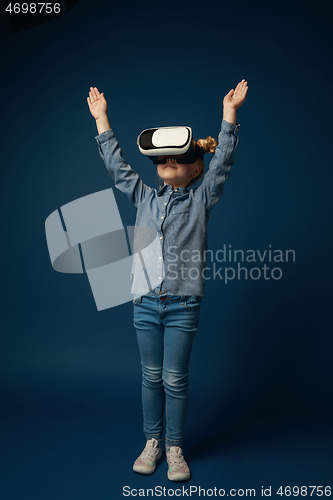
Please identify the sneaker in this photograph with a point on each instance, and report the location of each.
(178, 468)
(146, 463)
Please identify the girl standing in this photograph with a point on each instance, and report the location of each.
(166, 317)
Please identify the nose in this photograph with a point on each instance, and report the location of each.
(171, 160)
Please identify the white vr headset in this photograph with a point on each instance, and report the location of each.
(170, 142)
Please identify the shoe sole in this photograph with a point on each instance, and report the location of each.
(183, 477)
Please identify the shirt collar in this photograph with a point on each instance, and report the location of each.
(182, 190)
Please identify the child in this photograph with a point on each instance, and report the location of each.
(166, 317)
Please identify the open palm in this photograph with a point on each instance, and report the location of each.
(97, 103)
(235, 98)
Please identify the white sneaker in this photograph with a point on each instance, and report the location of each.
(178, 468)
(146, 463)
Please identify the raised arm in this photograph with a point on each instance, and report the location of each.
(125, 178)
(211, 189)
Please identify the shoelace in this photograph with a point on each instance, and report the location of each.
(175, 459)
(149, 452)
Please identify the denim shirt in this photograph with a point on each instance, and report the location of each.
(171, 224)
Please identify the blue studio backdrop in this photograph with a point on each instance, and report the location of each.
(260, 391)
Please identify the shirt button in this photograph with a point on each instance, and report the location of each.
(160, 257)
(159, 278)
(164, 203)
(161, 237)
(176, 190)
(162, 217)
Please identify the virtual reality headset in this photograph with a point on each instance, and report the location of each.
(171, 142)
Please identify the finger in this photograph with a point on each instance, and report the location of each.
(237, 88)
(97, 92)
(94, 93)
(242, 95)
(244, 89)
(242, 82)
(241, 87)
(91, 95)
(89, 101)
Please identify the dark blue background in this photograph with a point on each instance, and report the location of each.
(260, 410)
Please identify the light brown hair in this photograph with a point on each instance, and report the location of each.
(208, 145)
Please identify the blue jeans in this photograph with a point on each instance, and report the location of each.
(165, 327)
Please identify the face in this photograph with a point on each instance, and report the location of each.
(177, 174)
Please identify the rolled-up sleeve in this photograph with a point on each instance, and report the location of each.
(211, 189)
(125, 178)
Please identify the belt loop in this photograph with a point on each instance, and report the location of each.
(137, 299)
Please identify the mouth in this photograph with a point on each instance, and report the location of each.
(170, 166)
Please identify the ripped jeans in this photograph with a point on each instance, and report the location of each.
(165, 327)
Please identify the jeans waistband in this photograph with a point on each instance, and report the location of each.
(162, 298)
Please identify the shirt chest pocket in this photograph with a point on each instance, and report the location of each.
(180, 216)
(180, 209)
(180, 212)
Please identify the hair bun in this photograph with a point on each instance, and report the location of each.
(208, 145)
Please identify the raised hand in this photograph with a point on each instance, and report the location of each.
(98, 108)
(97, 104)
(235, 98)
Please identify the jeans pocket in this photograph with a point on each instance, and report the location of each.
(137, 299)
(193, 302)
